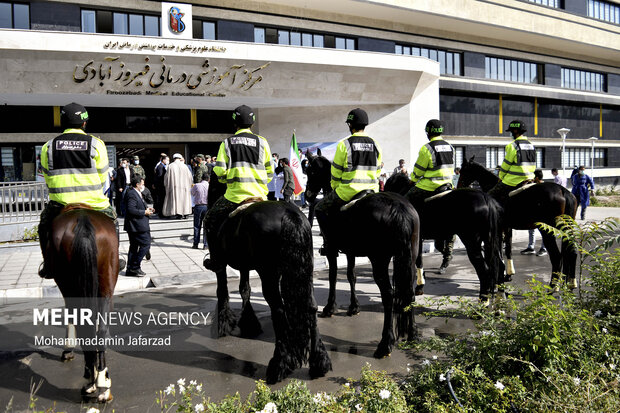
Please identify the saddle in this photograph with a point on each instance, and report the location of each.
(525, 185)
(71, 207)
(244, 204)
(356, 198)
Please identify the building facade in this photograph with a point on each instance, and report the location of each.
(163, 77)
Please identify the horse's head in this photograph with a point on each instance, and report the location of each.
(319, 175)
(472, 171)
(216, 189)
(399, 183)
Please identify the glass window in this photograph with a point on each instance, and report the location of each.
(21, 16)
(407, 50)
(398, 49)
(450, 63)
(604, 10)
(208, 30)
(350, 44)
(296, 39)
(424, 52)
(457, 64)
(441, 56)
(415, 51)
(89, 22)
(433, 54)
(521, 72)
(283, 37)
(459, 153)
(540, 157)
(136, 24)
(259, 35)
(6, 16)
(120, 23)
(318, 40)
(493, 68)
(306, 39)
(487, 67)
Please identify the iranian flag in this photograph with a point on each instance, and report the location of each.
(296, 166)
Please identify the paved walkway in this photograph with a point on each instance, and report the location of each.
(173, 262)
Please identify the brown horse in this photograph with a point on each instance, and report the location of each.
(82, 257)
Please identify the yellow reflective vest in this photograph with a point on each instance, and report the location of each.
(244, 164)
(356, 166)
(435, 165)
(519, 162)
(75, 167)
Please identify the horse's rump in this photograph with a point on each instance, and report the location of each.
(543, 202)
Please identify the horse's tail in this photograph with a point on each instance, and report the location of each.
(83, 264)
(570, 203)
(296, 287)
(405, 223)
(493, 245)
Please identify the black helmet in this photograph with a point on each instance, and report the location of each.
(244, 116)
(357, 117)
(73, 114)
(518, 125)
(434, 127)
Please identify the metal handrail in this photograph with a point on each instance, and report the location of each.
(22, 202)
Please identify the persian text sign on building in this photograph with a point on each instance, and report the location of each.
(176, 20)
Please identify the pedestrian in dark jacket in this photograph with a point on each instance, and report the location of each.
(137, 226)
(158, 186)
(289, 181)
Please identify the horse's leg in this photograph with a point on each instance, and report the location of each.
(248, 323)
(281, 364)
(473, 245)
(104, 383)
(67, 354)
(354, 307)
(382, 278)
(569, 262)
(90, 373)
(330, 307)
(319, 360)
(554, 256)
(420, 281)
(510, 267)
(225, 321)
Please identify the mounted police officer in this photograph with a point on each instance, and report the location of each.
(244, 164)
(356, 168)
(433, 173)
(518, 165)
(75, 167)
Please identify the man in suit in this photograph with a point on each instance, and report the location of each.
(137, 226)
(123, 182)
(158, 186)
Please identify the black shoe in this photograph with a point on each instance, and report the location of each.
(444, 266)
(148, 256)
(195, 246)
(134, 273)
(121, 264)
(528, 251)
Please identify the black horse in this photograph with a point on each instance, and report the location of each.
(542, 202)
(275, 239)
(472, 215)
(378, 226)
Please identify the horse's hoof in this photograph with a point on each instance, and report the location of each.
(381, 354)
(328, 311)
(353, 311)
(419, 289)
(67, 355)
(572, 283)
(105, 396)
(508, 278)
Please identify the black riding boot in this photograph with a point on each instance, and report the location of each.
(121, 262)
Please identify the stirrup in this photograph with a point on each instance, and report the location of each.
(43, 272)
(323, 251)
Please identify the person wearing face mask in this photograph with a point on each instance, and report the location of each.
(123, 181)
(137, 226)
(137, 169)
(580, 182)
(518, 165)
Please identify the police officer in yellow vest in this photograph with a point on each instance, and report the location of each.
(244, 164)
(75, 167)
(518, 165)
(434, 168)
(356, 167)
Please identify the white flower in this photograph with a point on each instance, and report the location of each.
(347, 384)
(434, 357)
(408, 370)
(270, 408)
(612, 366)
(604, 330)
(499, 385)
(358, 407)
(92, 410)
(199, 408)
(426, 362)
(576, 380)
(181, 388)
(169, 389)
(598, 313)
(199, 387)
(384, 394)
(442, 377)
(181, 382)
(192, 382)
